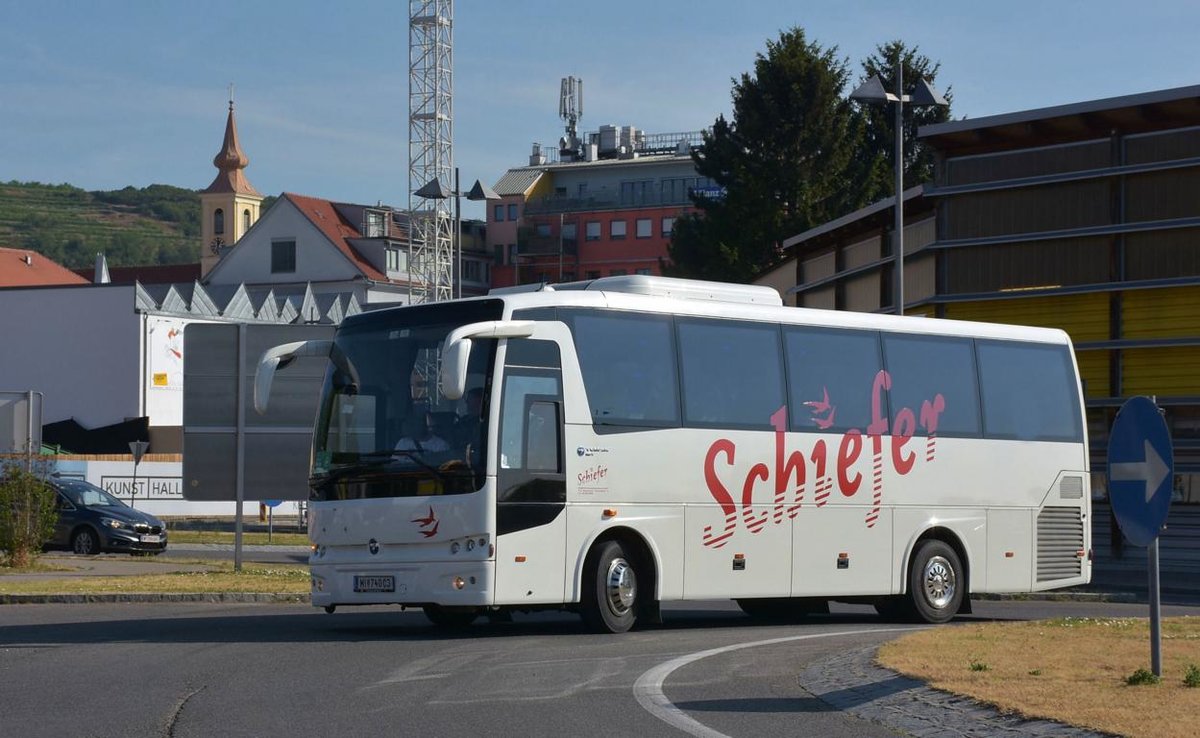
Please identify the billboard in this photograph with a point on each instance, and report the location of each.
(224, 439)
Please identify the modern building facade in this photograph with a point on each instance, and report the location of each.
(608, 211)
(1082, 217)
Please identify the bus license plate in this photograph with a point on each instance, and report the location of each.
(151, 539)
(374, 583)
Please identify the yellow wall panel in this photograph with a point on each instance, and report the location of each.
(1168, 371)
(1165, 313)
(1083, 317)
(1093, 370)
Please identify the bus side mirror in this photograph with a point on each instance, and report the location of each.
(456, 350)
(278, 357)
(454, 368)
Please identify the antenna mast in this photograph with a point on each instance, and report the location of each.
(570, 109)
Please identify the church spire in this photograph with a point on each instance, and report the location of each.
(230, 160)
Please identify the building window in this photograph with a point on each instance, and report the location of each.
(568, 232)
(498, 213)
(373, 224)
(543, 230)
(643, 228)
(593, 274)
(512, 211)
(568, 276)
(616, 229)
(582, 190)
(668, 226)
(592, 230)
(644, 271)
(245, 220)
(283, 257)
(219, 221)
(512, 253)
(617, 273)
(498, 254)
(396, 260)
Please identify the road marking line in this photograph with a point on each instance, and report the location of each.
(649, 687)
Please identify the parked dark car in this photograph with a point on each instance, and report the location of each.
(91, 520)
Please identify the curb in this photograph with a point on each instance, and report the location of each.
(209, 597)
(1062, 597)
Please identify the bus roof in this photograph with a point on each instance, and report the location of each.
(748, 302)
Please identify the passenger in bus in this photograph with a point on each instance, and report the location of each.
(419, 436)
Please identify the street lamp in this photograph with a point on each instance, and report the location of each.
(435, 190)
(872, 91)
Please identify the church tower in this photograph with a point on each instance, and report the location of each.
(230, 205)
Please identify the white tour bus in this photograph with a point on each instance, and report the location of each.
(605, 446)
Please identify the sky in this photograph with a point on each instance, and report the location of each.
(102, 94)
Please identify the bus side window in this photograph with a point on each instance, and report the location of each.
(542, 437)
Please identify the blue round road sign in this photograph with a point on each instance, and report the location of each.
(1140, 464)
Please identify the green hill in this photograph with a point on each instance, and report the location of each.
(158, 224)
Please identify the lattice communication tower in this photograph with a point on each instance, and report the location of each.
(431, 147)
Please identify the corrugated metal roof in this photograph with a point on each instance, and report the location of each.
(518, 181)
(1058, 111)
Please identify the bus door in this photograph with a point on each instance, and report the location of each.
(531, 490)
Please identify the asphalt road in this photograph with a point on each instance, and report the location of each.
(262, 670)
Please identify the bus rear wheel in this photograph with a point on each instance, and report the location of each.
(610, 593)
(450, 617)
(935, 582)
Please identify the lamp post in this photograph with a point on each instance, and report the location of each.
(435, 190)
(872, 91)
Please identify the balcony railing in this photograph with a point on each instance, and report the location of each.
(529, 243)
(604, 200)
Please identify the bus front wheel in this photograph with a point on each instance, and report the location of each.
(935, 582)
(610, 592)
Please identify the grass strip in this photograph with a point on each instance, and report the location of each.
(226, 537)
(1073, 670)
(276, 579)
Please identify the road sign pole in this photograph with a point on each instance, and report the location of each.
(1155, 610)
(240, 452)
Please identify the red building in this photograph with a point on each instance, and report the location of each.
(606, 212)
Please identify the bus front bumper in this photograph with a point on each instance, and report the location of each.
(448, 583)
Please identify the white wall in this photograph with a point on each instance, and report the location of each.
(159, 488)
(250, 260)
(79, 346)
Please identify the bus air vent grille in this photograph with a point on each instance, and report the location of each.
(1059, 541)
(1071, 488)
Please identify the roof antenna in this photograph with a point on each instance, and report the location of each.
(231, 97)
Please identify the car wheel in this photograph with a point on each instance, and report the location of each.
(610, 598)
(85, 542)
(935, 582)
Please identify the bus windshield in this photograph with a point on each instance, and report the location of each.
(383, 427)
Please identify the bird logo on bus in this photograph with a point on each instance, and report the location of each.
(793, 472)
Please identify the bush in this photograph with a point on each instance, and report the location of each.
(1142, 676)
(1191, 677)
(27, 514)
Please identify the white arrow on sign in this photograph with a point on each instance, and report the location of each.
(1152, 471)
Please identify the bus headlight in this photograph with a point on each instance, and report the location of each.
(454, 548)
(459, 583)
(470, 544)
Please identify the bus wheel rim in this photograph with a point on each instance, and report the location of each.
(939, 582)
(620, 586)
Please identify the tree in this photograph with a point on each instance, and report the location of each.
(784, 162)
(797, 153)
(876, 158)
(27, 514)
